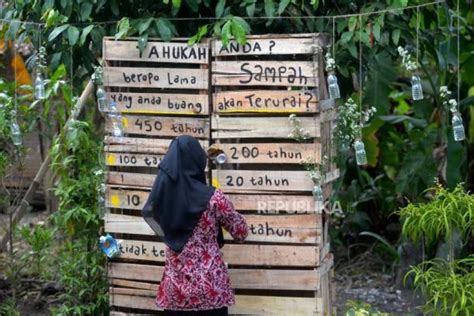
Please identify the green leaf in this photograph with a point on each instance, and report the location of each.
(269, 8)
(352, 23)
(220, 8)
(239, 32)
(250, 9)
(346, 37)
(143, 26)
(376, 31)
(395, 119)
(243, 23)
(282, 6)
(199, 35)
(58, 30)
(114, 7)
(396, 36)
(226, 33)
(85, 32)
(142, 42)
(471, 125)
(176, 4)
(163, 29)
(122, 28)
(86, 9)
(456, 159)
(378, 86)
(73, 35)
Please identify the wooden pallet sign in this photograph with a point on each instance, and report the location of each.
(256, 87)
(238, 97)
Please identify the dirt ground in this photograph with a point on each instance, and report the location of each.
(356, 280)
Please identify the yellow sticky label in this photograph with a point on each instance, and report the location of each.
(110, 160)
(124, 122)
(215, 183)
(115, 200)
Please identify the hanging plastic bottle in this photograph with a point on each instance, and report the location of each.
(221, 158)
(416, 88)
(109, 246)
(101, 206)
(333, 87)
(39, 86)
(101, 98)
(16, 131)
(361, 156)
(318, 193)
(458, 127)
(116, 118)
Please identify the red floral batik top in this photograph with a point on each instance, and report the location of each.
(197, 278)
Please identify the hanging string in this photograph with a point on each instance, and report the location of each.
(15, 106)
(418, 35)
(333, 38)
(458, 52)
(360, 74)
(341, 16)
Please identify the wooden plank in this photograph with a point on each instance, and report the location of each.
(263, 204)
(171, 78)
(262, 255)
(130, 179)
(115, 313)
(301, 229)
(266, 79)
(140, 145)
(265, 101)
(134, 284)
(156, 52)
(132, 160)
(162, 126)
(275, 68)
(268, 46)
(271, 153)
(161, 103)
(261, 127)
(245, 304)
(233, 181)
(264, 180)
(265, 279)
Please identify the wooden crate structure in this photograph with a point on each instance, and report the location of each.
(162, 92)
(284, 266)
(256, 87)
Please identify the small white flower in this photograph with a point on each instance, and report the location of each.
(453, 102)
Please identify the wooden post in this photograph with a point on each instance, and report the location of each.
(25, 202)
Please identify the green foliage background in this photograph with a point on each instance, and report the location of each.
(408, 143)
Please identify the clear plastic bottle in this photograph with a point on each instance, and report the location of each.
(333, 87)
(416, 88)
(16, 131)
(458, 127)
(221, 158)
(318, 193)
(39, 86)
(361, 156)
(116, 118)
(101, 98)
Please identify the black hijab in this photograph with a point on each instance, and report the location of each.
(180, 194)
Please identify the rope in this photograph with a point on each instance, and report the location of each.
(417, 35)
(360, 75)
(341, 16)
(458, 53)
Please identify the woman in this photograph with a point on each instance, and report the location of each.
(188, 214)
